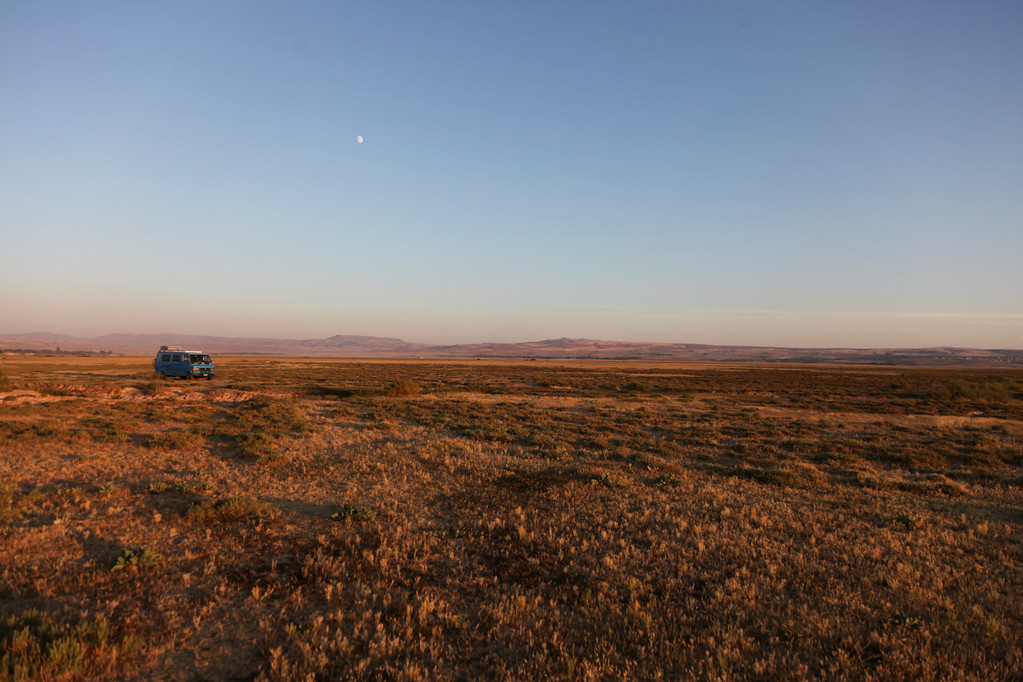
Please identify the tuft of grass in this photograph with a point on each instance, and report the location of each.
(908, 521)
(39, 645)
(670, 480)
(183, 487)
(134, 558)
(904, 621)
(255, 444)
(350, 513)
(228, 509)
(606, 480)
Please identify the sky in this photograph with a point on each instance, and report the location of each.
(796, 173)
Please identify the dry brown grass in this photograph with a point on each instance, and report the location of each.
(325, 519)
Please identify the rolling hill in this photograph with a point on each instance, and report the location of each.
(342, 345)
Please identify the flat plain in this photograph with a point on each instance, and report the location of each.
(342, 519)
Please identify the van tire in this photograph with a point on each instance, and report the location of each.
(208, 377)
(163, 375)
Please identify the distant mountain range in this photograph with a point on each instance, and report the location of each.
(335, 346)
(380, 347)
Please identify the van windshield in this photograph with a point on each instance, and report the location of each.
(200, 359)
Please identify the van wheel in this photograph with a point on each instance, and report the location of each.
(163, 375)
(188, 375)
(208, 377)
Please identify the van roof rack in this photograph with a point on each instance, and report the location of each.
(171, 348)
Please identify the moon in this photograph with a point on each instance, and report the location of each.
(358, 139)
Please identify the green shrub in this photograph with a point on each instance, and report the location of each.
(606, 480)
(668, 480)
(908, 521)
(349, 514)
(135, 558)
(37, 645)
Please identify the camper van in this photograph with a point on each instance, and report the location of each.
(174, 361)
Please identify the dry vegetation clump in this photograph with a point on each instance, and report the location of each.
(35, 645)
(228, 509)
(323, 519)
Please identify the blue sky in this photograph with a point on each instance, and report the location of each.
(783, 173)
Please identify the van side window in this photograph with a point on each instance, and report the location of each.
(176, 358)
(165, 358)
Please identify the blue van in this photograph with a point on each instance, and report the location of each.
(173, 361)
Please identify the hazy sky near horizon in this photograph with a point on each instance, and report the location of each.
(782, 173)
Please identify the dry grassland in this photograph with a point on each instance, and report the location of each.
(325, 519)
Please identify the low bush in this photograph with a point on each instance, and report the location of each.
(134, 558)
(350, 513)
(227, 509)
(38, 645)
